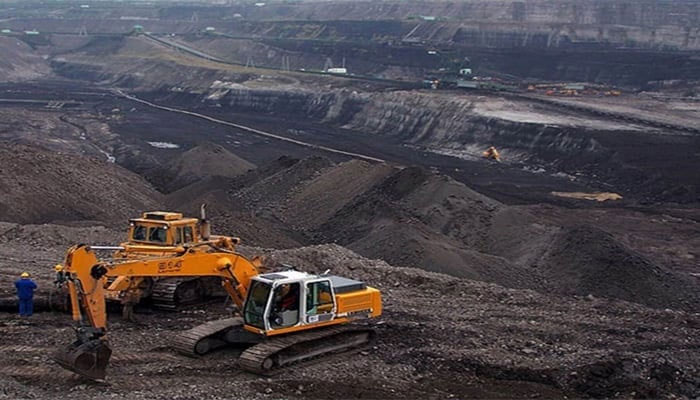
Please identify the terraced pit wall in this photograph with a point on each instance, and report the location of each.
(456, 125)
(636, 44)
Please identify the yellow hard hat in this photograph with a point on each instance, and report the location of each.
(58, 267)
(25, 275)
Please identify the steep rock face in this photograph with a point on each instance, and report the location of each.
(458, 122)
(463, 125)
(458, 125)
(292, 102)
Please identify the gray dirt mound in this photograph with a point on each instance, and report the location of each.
(412, 217)
(403, 182)
(48, 235)
(416, 245)
(454, 210)
(274, 188)
(41, 186)
(255, 231)
(519, 236)
(204, 160)
(380, 203)
(211, 190)
(317, 200)
(420, 219)
(586, 260)
(436, 201)
(264, 171)
(20, 62)
(239, 206)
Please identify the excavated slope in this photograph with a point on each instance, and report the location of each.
(317, 200)
(275, 187)
(38, 186)
(587, 260)
(412, 217)
(19, 62)
(417, 218)
(202, 161)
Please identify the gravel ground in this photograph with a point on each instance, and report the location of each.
(439, 337)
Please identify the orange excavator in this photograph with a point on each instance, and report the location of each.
(158, 234)
(492, 154)
(285, 316)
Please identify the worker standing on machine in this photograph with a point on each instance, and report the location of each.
(25, 293)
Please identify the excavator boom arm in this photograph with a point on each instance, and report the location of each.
(85, 275)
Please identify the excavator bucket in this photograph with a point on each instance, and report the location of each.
(89, 359)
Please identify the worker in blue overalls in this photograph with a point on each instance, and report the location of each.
(25, 292)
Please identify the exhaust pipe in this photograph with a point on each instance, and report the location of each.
(204, 226)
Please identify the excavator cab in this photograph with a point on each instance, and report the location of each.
(158, 228)
(288, 301)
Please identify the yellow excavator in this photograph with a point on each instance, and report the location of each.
(159, 234)
(285, 316)
(492, 154)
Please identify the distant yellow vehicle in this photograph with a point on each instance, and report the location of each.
(286, 316)
(492, 153)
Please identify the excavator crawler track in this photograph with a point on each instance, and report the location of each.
(171, 294)
(167, 293)
(163, 294)
(271, 355)
(207, 337)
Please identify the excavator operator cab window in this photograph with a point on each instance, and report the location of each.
(139, 233)
(319, 301)
(183, 234)
(285, 306)
(150, 234)
(157, 234)
(254, 312)
(189, 236)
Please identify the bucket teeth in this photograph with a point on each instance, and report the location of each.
(89, 359)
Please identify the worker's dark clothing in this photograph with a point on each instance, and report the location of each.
(289, 301)
(26, 307)
(25, 293)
